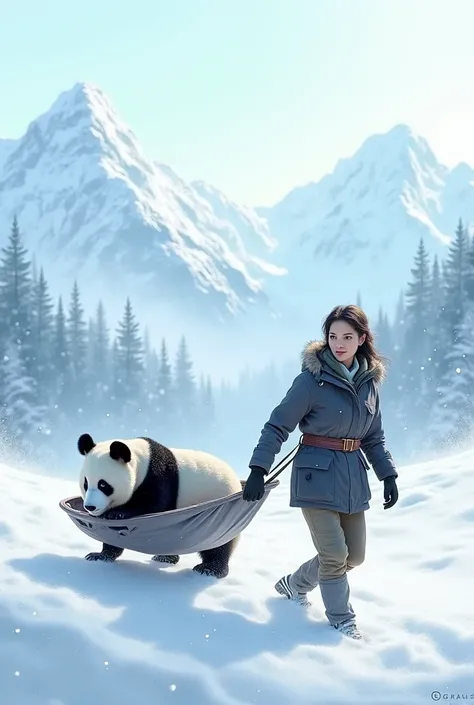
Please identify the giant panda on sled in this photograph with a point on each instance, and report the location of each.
(121, 479)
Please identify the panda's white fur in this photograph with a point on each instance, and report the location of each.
(202, 476)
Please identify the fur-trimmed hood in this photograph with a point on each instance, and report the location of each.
(311, 361)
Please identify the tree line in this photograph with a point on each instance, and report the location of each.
(429, 389)
(428, 394)
(62, 372)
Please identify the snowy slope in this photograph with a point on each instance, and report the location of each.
(92, 205)
(357, 229)
(6, 146)
(244, 223)
(74, 632)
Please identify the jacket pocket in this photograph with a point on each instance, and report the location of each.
(314, 477)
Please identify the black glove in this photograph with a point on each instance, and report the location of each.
(254, 487)
(390, 491)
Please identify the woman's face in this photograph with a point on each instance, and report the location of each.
(344, 342)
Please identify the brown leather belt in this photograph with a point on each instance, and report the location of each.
(347, 445)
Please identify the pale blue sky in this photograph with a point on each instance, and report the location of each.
(254, 96)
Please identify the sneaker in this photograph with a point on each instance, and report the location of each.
(349, 628)
(283, 588)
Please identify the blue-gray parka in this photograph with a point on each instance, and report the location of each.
(324, 401)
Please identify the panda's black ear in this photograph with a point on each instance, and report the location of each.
(120, 451)
(85, 444)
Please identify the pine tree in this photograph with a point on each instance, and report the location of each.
(384, 342)
(61, 360)
(90, 348)
(208, 403)
(417, 343)
(452, 418)
(436, 330)
(185, 386)
(395, 386)
(457, 280)
(76, 330)
(42, 334)
(130, 350)
(399, 324)
(164, 388)
(150, 359)
(77, 336)
(129, 367)
(15, 294)
(469, 284)
(449, 334)
(101, 347)
(21, 414)
(418, 295)
(436, 295)
(116, 373)
(383, 334)
(21, 401)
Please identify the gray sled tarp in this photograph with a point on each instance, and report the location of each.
(188, 530)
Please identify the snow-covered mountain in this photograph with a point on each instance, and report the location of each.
(92, 206)
(357, 229)
(245, 221)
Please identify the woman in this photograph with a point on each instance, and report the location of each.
(335, 401)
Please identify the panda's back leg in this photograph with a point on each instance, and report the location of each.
(109, 554)
(171, 560)
(215, 561)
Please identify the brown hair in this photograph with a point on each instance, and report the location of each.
(355, 317)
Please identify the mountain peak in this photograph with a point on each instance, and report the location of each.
(402, 132)
(83, 111)
(82, 96)
(80, 182)
(400, 145)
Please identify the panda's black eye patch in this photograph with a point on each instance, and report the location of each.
(86, 484)
(104, 487)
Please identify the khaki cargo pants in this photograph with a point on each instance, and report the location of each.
(340, 542)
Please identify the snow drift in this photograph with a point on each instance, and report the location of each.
(73, 631)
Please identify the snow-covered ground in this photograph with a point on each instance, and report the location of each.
(74, 632)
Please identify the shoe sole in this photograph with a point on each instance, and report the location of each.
(283, 588)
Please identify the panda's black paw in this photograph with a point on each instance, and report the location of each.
(99, 557)
(172, 560)
(212, 570)
(119, 514)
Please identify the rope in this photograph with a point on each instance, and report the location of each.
(272, 474)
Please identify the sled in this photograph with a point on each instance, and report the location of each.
(199, 527)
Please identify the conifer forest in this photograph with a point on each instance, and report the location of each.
(64, 372)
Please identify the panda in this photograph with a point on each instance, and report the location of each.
(120, 479)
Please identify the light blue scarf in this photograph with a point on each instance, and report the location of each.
(349, 374)
(358, 369)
